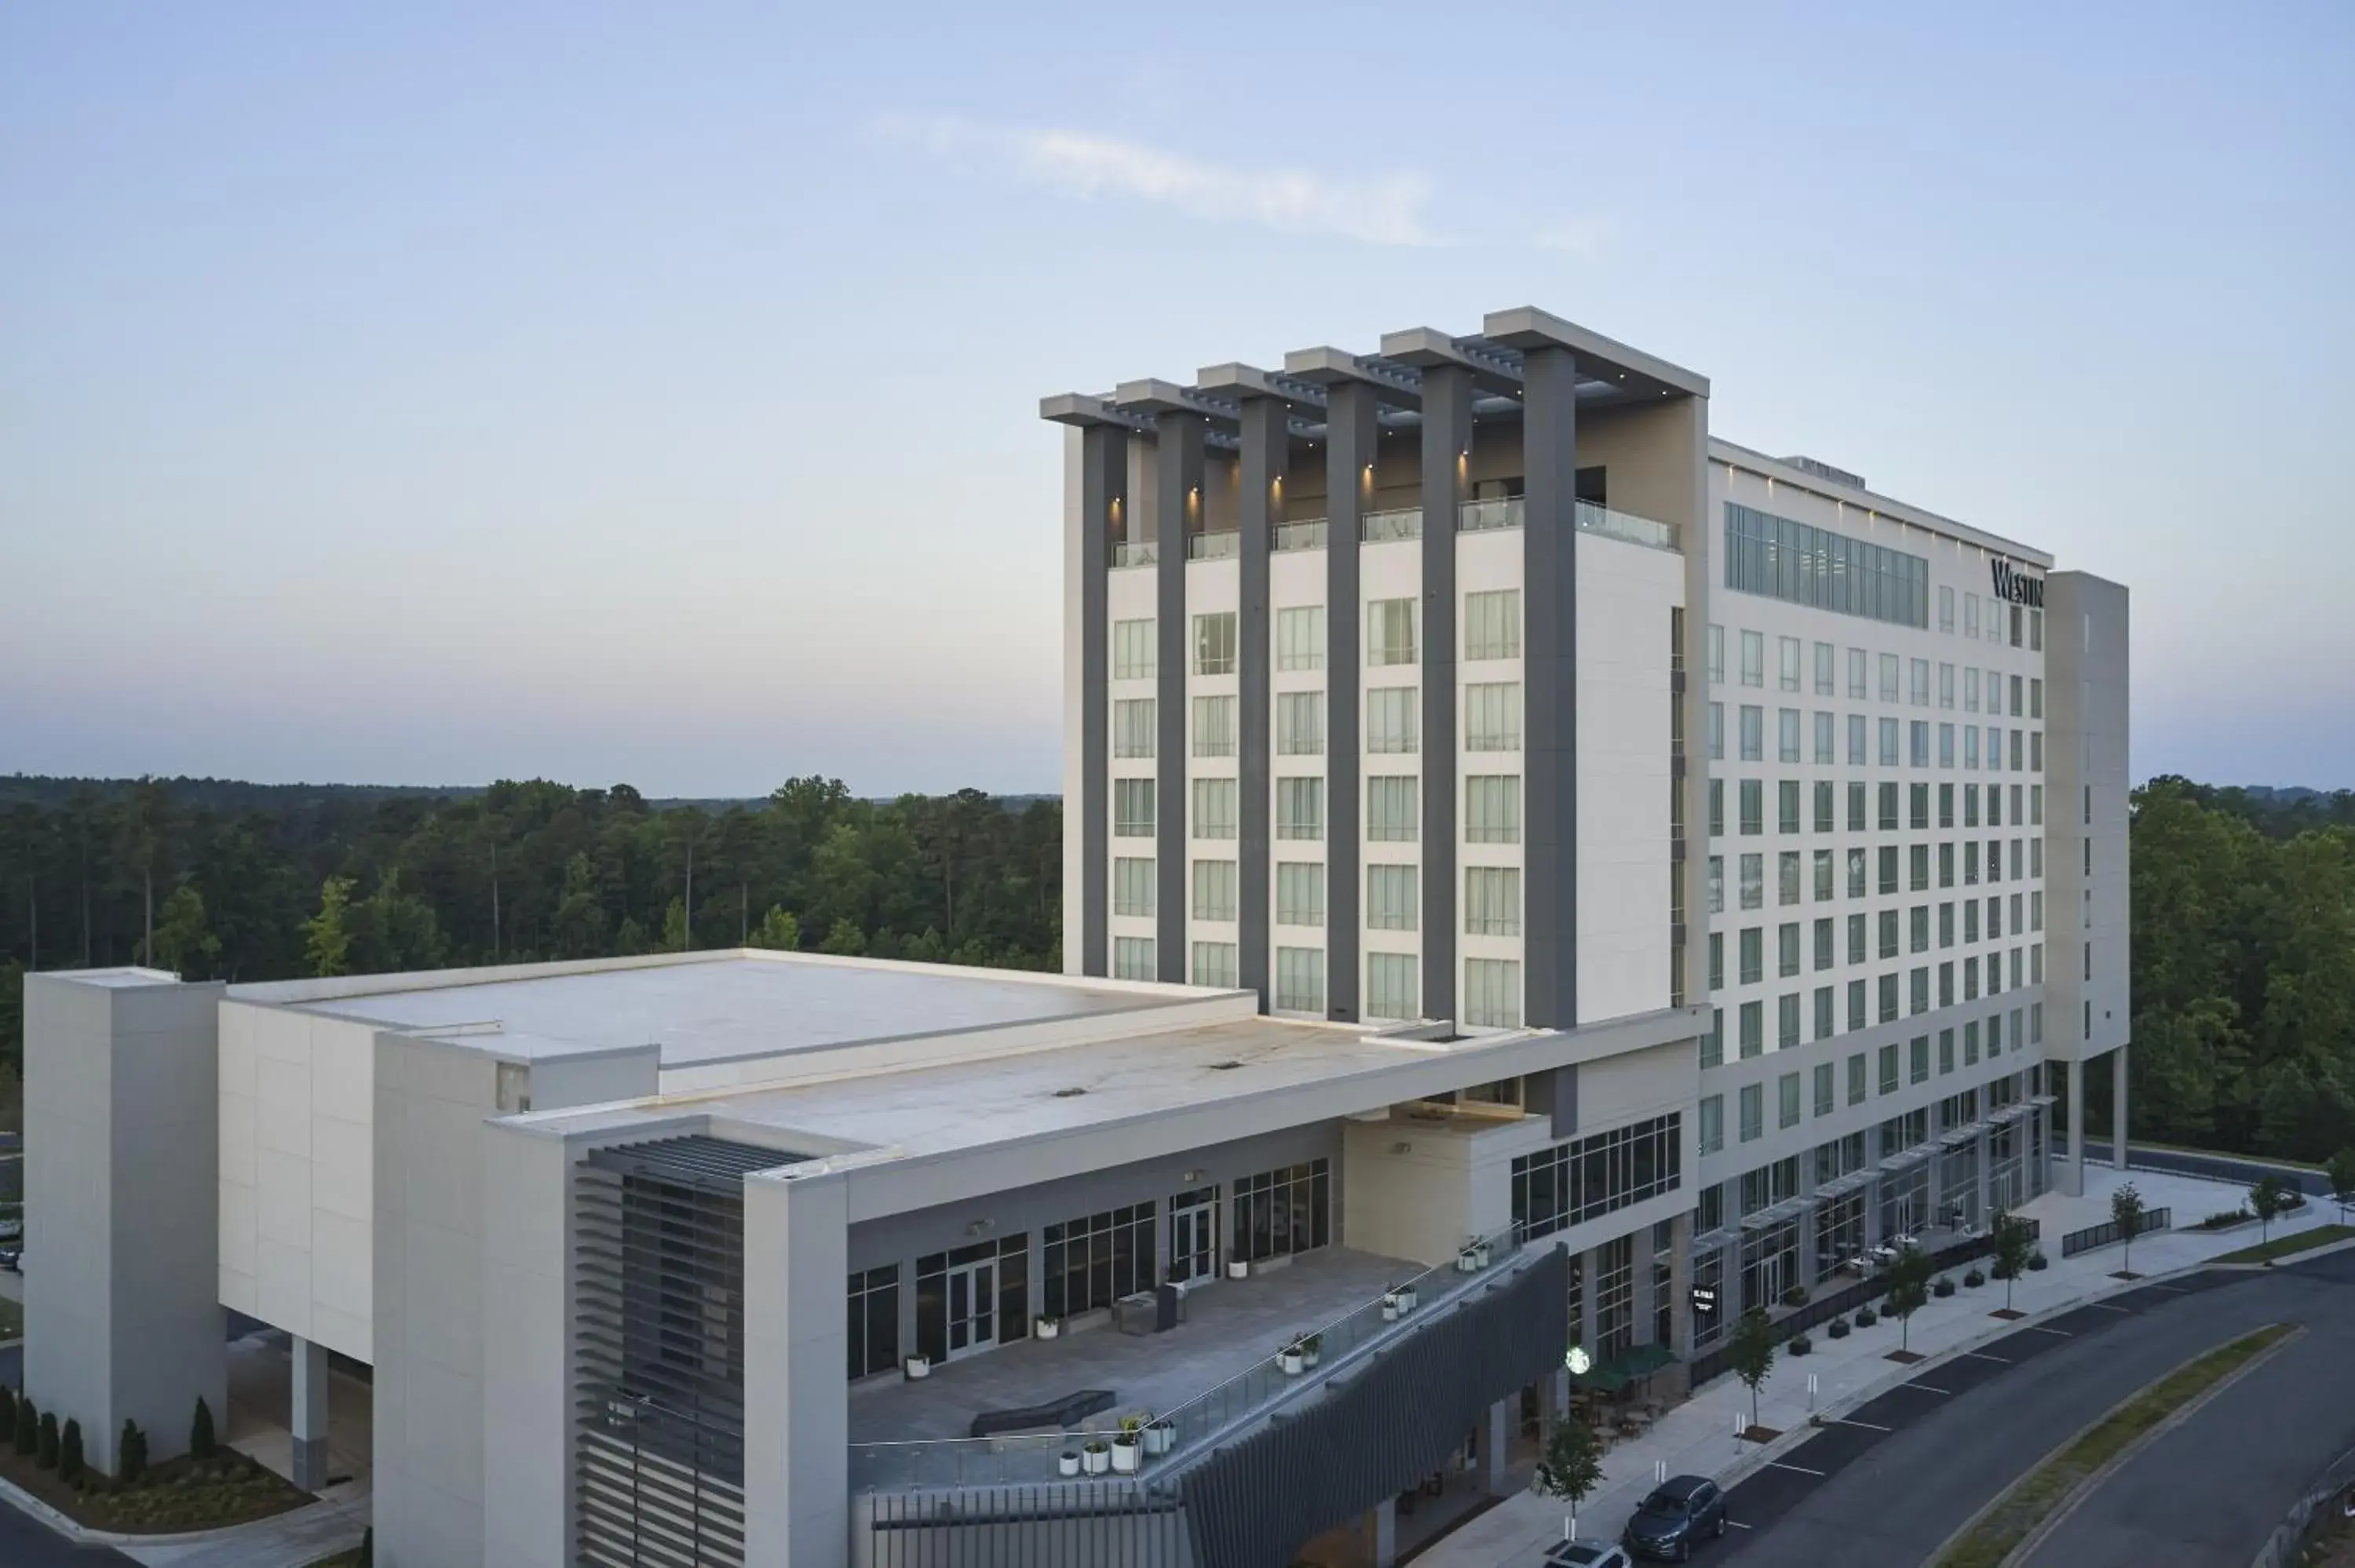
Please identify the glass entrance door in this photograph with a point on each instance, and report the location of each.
(1194, 1235)
(973, 1308)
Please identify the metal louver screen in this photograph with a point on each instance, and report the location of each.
(659, 1370)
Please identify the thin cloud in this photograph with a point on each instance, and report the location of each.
(1585, 236)
(1384, 210)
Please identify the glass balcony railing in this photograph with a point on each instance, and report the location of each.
(1380, 527)
(1214, 546)
(1627, 525)
(1479, 516)
(1308, 533)
(1188, 1429)
(1141, 552)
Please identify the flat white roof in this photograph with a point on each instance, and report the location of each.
(706, 1009)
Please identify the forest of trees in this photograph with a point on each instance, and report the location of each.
(2244, 905)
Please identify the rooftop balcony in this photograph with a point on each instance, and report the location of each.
(1406, 523)
(1219, 1372)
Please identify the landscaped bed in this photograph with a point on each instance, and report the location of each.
(2296, 1241)
(2005, 1522)
(222, 1488)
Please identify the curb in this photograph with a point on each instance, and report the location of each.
(2325, 1250)
(65, 1525)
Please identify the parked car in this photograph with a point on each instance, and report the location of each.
(1679, 1511)
(12, 1258)
(1585, 1554)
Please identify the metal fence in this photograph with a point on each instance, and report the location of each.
(1841, 1302)
(2107, 1233)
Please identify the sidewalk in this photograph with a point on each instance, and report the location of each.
(1697, 1438)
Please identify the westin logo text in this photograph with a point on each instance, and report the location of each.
(2011, 585)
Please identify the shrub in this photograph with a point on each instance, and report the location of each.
(1945, 1287)
(131, 1457)
(7, 1410)
(28, 1427)
(368, 1547)
(2222, 1219)
(1795, 1296)
(69, 1464)
(47, 1454)
(1974, 1279)
(2036, 1260)
(1800, 1344)
(1866, 1316)
(1838, 1329)
(200, 1431)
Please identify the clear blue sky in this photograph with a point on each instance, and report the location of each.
(430, 393)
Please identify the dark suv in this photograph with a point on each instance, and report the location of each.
(1678, 1512)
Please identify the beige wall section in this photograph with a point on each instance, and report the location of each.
(797, 1400)
(1075, 674)
(2087, 747)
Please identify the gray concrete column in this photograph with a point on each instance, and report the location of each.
(1178, 494)
(1266, 435)
(1680, 1279)
(797, 1403)
(309, 1419)
(1644, 1296)
(1104, 508)
(1986, 1177)
(1589, 1278)
(1550, 685)
(1872, 1231)
(1495, 1435)
(1352, 439)
(1447, 450)
(2073, 1161)
(2118, 1109)
(1381, 1533)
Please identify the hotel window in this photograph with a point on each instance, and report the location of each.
(1856, 674)
(875, 1320)
(1918, 743)
(1278, 1213)
(1889, 807)
(1856, 809)
(1945, 805)
(1393, 811)
(1492, 901)
(1970, 745)
(1214, 890)
(2036, 630)
(1889, 741)
(2036, 740)
(1133, 883)
(1391, 903)
(1918, 676)
(1754, 881)
(1717, 732)
(1918, 807)
(1214, 643)
(1888, 999)
(1825, 676)
(1712, 1044)
(1492, 993)
(1712, 1132)
(1945, 1051)
(1299, 807)
(2035, 699)
(1753, 659)
(1917, 922)
(1492, 624)
(1753, 808)
(1786, 806)
(1888, 677)
(1786, 949)
(1753, 954)
(1857, 953)
(1093, 1262)
(1856, 873)
(1716, 652)
(1786, 735)
(1132, 651)
(1970, 615)
(1389, 631)
(1753, 1112)
(1946, 685)
(1588, 1178)
(1918, 989)
(1945, 610)
(1887, 922)
(1300, 980)
(1888, 868)
(1132, 808)
(1299, 893)
(1889, 1069)
(1300, 638)
(1823, 875)
(1214, 964)
(1826, 741)
(1802, 565)
(1214, 807)
(1132, 958)
(1919, 1049)
(1492, 716)
(1825, 812)
(1133, 727)
(1825, 1102)
(1492, 809)
(1917, 868)
(1855, 1005)
(1787, 1099)
(1994, 750)
(1391, 726)
(1717, 808)
(1753, 733)
(1971, 690)
(1856, 1079)
(2015, 697)
(1717, 961)
(1945, 745)
(1825, 1023)
(1300, 724)
(1214, 726)
(1393, 985)
(1857, 756)
(1825, 944)
(1786, 878)
(1786, 663)
(1716, 887)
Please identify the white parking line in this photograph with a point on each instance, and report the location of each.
(1801, 1468)
(2107, 1307)
(1739, 1525)
(2040, 1329)
(2170, 1289)
(1983, 1356)
(1868, 1427)
(1926, 1388)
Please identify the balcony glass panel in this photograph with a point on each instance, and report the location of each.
(1478, 516)
(1212, 546)
(1141, 553)
(1379, 528)
(1308, 533)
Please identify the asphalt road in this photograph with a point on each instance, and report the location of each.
(1889, 1484)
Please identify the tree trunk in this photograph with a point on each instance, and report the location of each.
(494, 901)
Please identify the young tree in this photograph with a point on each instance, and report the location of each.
(2126, 1213)
(27, 1435)
(46, 1450)
(200, 1431)
(69, 1460)
(778, 930)
(2012, 1245)
(1909, 1290)
(1572, 1465)
(2342, 1178)
(131, 1454)
(182, 942)
(1752, 1354)
(327, 936)
(2267, 1199)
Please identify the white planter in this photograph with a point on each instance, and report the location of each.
(1095, 1461)
(1312, 1357)
(1239, 1270)
(1464, 1264)
(1406, 1299)
(1050, 1328)
(1066, 1465)
(1292, 1364)
(919, 1367)
(1159, 1438)
(1390, 1309)
(1480, 1255)
(1125, 1455)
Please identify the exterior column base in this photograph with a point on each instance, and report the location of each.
(310, 1465)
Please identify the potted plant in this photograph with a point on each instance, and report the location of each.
(1945, 1287)
(1312, 1348)
(2036, 1260)
(1293, 1360)
(1238, 1269)
(1800, 1345)
(918, 1367)
(1126, 1453)
(1048, 1327)
(1068, 1463)
(1160, 1436)
(1405, 1294)
(1838, 1329)
(1095, 1457)
(1390, 1306)
(1866, 1316)
(1795, 1296)
(1974, 1279)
